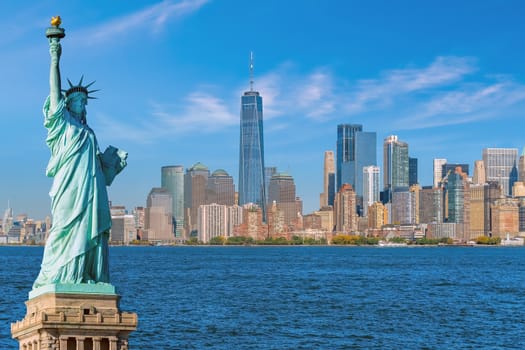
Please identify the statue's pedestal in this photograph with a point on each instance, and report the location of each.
(74, 317)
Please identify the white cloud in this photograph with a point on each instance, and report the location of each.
(152, 18)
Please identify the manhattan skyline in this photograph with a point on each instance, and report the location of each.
(446, 78)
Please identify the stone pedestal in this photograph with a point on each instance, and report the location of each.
(74, 317)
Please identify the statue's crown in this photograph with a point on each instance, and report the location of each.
(79, 88)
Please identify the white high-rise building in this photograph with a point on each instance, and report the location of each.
(438, 170)
(501, 165)
(370, 187)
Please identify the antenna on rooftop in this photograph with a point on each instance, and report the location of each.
(251, 70)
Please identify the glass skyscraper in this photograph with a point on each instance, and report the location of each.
(251, 152)
(355, 150)
(173, 180)
(395, 165)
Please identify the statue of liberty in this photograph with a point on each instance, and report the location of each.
(76, 250)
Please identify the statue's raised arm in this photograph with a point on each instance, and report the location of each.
(55, 33)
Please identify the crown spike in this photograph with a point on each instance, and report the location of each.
(88, 85)
(79, 88)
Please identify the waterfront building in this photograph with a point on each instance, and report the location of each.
(477, 211)
(172, 179)
(412, 171)
(505, 218)
(403, 206)
(252, 223)
(327, 218)
(355, 150)
(438, 170)
(282, 192)
(370, 187)
(195, 184)
(458, 199)
(345, 214)
(327, 197)
(501, 165)
(123, 229)
(395, 165)
(377, 215)
(276, 222)
(430, 205)
(220, 188)
(158, 219)
(212, 221)
(252, 187)
(442, 230)
(479, 173)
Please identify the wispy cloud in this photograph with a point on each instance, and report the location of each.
(152, 18)
(382, 92)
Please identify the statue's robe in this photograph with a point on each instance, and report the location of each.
(76, 249)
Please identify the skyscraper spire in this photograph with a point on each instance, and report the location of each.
(251, 70)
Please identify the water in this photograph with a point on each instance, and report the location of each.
(304, 297)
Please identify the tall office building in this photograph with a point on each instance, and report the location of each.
(282, 192)
(395, 165)
(195, 184)
(252, 187)
(438, 174)
(345, 215)
(412, 171)
(220, 188)
(370, 187)
(431, 205)
(158, 219)
(403, 206)
(355, 150)
(501, 165)
(172, 179)
(327, 197)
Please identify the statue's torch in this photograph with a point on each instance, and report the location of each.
(55, 31)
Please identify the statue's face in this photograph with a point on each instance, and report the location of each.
(77, 103)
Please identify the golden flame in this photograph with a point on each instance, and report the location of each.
(56, 21)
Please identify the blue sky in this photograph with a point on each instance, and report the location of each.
(447, 77)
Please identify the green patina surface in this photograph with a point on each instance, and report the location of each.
(74, 288)
(76, 251)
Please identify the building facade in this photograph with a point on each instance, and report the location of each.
(158, 219)
(395, 165)
(438, 172)
(220, 188)
(370, 187)
(327, 197)
(355, 150)
(501, 165)
(195, 185)
(172, 179)
(252, 187)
